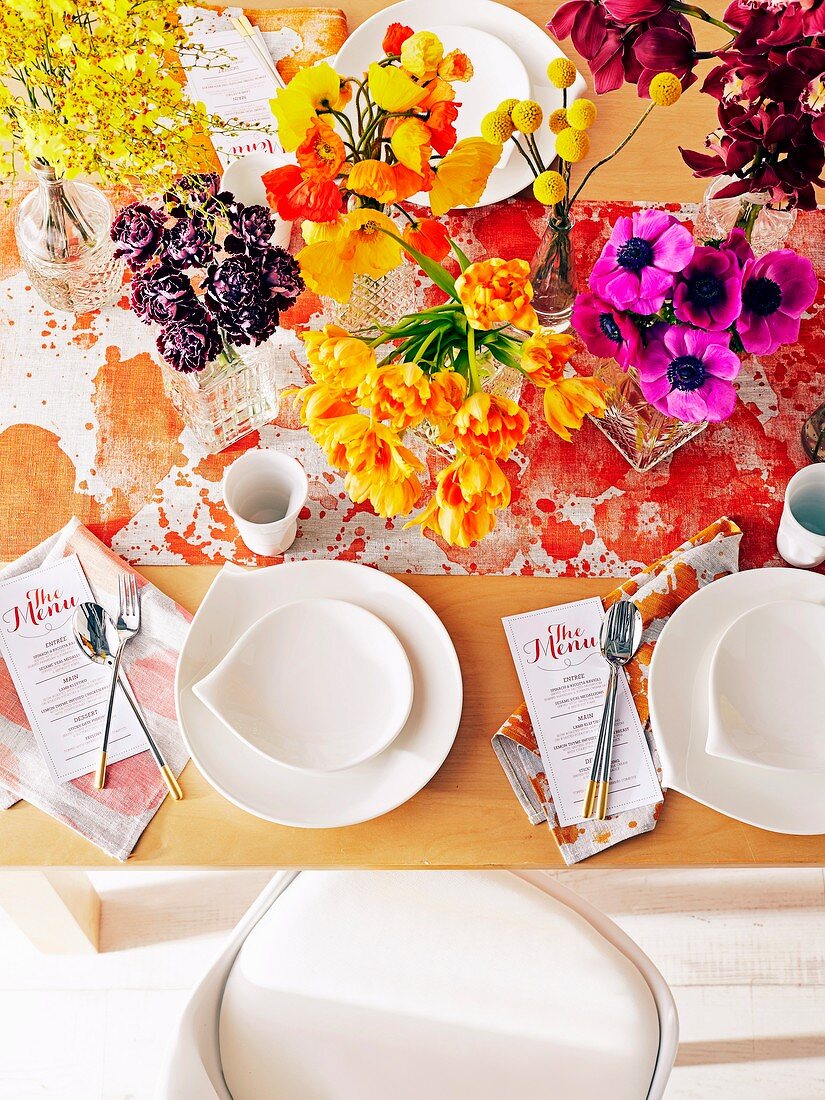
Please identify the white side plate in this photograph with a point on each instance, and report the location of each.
(318, 685)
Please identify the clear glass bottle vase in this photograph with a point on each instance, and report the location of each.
(766, 226)
(235, 394)
(553, 275)
(62, 231)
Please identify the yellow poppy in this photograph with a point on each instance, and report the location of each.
(374, 253)
(327, 268)
(373, 179)
(462, 175)
(393, 90)
(421, 54)
(410, 141)
(356, 245)
(296, 105)
(456, 66)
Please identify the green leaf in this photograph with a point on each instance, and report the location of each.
(442, 279)
(463, 259)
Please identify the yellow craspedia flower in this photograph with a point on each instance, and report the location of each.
(506, 106)
(496, 127)
(557, 120)
(549, 188)
(665, 89)
(561, 72)
(527, 116)
(421, 54)
(572, 145)
(581, 114)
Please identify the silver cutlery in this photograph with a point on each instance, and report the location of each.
(103, 640)
(620, 637)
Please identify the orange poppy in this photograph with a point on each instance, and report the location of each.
(294, 196)
(395, 37)
(440, 123)
(321, 154)
(428, 236)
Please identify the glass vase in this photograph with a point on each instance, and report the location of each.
(766, 227)
(813, 435)
(640, 433)
(553, 275)
(375, 303)
(62, 231)
(235, 394)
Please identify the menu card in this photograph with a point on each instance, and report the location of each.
(564, 677)
(234, 84)
(64, 694)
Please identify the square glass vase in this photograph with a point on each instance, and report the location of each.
(235, 394)
(642, 435)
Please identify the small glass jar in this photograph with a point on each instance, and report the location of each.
(640, 433)
(62, 231)
(235, 394)
(813, 435)
(553, 275)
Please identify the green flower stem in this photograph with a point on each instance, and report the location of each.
(524, 153)
(475, 382)
(531, 139)
(609, 156)
(699, 13)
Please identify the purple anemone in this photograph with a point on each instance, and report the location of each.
(689, 374)
(776, 291)
(636, 268)
(708, 292)
(606, 331)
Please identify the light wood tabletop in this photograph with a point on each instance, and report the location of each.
(467, 816)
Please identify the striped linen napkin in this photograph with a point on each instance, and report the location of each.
(657, 591)
(115, 817)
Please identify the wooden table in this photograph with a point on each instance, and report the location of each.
(467, 816)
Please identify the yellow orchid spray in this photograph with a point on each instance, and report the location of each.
(94, 88)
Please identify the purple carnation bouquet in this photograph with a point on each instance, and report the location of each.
(205, 270)
(681, 314)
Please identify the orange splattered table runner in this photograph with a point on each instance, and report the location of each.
(86, 430)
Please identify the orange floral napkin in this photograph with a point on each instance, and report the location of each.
(115, 817)
(657, 591)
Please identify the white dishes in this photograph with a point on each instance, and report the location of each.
(770, 798)
(529, 42)
(318, 685)
(767, 688)
(261, 786)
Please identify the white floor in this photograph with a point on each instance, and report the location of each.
(744, 952)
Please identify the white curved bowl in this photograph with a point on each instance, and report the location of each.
(318, 685)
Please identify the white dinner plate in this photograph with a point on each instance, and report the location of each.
(236, 600)
(767, 688)
(770, 798)
(529, 42)
(318, 685)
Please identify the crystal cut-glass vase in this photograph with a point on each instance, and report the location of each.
(640, 433)
(62, 231)
(766, 226)
(375, 303)
(235, 394)
(553, 275)
(813, 435)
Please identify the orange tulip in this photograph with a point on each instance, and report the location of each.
(491, 425)
(497, 292)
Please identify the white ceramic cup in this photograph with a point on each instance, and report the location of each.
(264, 491)
(801, 535)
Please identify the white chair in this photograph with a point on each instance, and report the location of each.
(341, 985)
